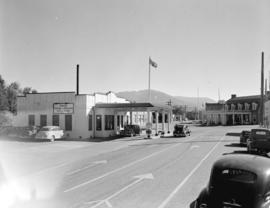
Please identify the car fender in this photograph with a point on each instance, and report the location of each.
(203, 197)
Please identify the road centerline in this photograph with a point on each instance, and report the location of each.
(172, 194)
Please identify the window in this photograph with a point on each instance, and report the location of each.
(160, 118)
(254, 106)
(247, 106)
(43, 120)
(68, 122)
(90, 122)
(31, 120)
(122, 121)
(153, 117)
(166, 118)
(109, 122)
(118, 120)
(98, 122)
(55, 120)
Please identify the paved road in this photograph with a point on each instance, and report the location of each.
(158, 173)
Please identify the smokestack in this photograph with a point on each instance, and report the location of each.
(77, 79)
(262, 91)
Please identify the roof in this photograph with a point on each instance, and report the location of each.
(132, 105)
(244, 99)
(257, 164)
(38, 93)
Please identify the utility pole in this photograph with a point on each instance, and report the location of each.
(262, 92)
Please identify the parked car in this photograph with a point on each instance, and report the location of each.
(50, 132)
(131, 130)
(32, 130)
(243, 137)
(181, 130)
(259, 141)
(237, 180)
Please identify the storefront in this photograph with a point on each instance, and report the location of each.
(88, 115)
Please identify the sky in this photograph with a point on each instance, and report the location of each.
(201, 47)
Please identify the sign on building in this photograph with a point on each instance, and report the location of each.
(63, 108)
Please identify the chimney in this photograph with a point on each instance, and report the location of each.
(77, 79)
(233, 96)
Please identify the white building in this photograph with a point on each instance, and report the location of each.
(87, 115)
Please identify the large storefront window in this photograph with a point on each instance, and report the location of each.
(43, 120)
(109, 122)
(98, 122)
(68, 122)
(55, 120)
(31, 120)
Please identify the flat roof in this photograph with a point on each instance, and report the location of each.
(132, 105)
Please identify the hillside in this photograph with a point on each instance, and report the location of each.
(163, 98)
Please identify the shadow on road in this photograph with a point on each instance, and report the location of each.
(236, 152)
(233, 134)
(234, 145)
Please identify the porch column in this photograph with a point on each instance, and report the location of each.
(242, 118)
(156, 123)
(163, 121)
(233, 118)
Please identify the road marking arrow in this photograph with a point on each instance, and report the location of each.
(106, 201)
(194, 146)
(88, 166)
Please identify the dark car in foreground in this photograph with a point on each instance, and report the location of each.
(181, 130)
(259, 141)
(237, 180)
(244, 137)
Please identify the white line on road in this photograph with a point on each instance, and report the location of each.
(106, 201)
(88, 166)
(194, 146)
(121, 168)
(168, 199)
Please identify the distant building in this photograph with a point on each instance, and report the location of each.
(88, 115)
(215, 114)
(236, 110)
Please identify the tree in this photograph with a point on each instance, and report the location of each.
(34, 91)
(3, 95)
(27, 90)
(12, 91)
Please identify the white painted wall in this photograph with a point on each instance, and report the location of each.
(42, 103)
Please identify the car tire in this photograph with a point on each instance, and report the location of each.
(53, 138)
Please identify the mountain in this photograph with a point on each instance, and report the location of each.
(163, 98)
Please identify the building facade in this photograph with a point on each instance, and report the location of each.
(86, 115)
(235, 111)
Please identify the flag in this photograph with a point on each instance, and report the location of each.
(152, 63)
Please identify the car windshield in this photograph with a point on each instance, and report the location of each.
(46, 129)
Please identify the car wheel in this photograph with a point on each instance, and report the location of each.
(53, 138)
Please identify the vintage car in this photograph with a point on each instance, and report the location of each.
(259, 141)
(243, 137)
(131, 130)
(181, 130)
(50, 132)
(237, 180)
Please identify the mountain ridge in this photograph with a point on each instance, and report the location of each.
(163, 98)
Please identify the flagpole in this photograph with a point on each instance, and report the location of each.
(149, 92)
